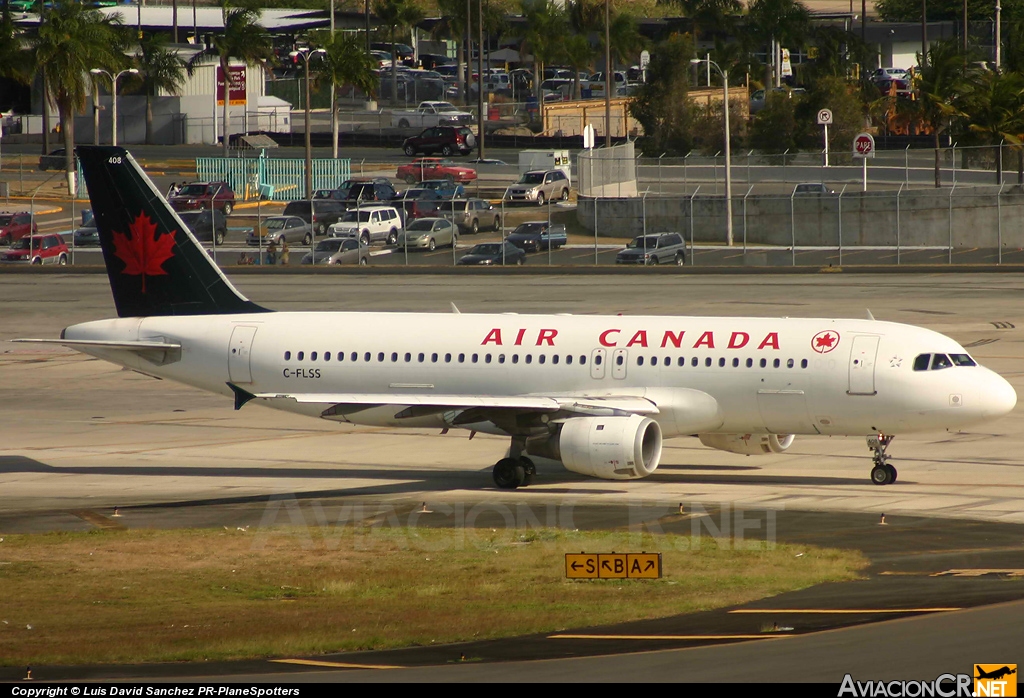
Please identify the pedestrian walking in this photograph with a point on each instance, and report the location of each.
(172, 190)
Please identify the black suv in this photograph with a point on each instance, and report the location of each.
(446, 139)
(325, 213)
(208, 224)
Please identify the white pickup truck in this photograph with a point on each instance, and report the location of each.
(429, 114)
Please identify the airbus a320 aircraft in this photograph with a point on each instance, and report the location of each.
(597, 393)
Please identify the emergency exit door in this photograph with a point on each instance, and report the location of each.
(862, 365)
(239, 353)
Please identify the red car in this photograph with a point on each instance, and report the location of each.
(435, 168)
(199, 195)
(46, 249)
(14, 226)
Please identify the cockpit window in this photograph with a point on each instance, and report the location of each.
(962, 360)
(922, 361)
(941, 361)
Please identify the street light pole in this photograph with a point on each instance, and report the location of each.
(480, 81)
(113, 96)
(608, 75)
(728, 149)
(306, 56)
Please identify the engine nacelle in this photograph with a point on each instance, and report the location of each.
(610, 448)
(748, 444)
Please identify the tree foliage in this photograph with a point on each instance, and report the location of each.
(661, 105)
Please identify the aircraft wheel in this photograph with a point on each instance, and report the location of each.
(508, 474)
(881, 475)
(529, 468)
(892, 473)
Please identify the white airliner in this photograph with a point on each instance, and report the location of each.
(598, 393)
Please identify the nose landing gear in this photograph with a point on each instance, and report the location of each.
(882, 473)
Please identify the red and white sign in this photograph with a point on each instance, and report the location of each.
(864, 146)
(236, 73)
(824, 342)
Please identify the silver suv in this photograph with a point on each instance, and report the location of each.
(471, 215)
(539, 187)
(659, 248)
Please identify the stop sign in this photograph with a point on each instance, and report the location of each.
(864, 146)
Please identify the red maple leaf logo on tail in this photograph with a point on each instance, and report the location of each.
(144, 253)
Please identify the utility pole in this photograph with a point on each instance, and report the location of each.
(924, 32)
(480, 79)
(608, 74)
(999, 35)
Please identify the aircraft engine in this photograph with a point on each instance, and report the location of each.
(748, 444)
(610, 448)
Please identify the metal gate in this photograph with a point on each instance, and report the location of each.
(597, 364)
(239, 352)
(862, 365)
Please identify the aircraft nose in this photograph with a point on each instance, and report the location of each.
(999, 397)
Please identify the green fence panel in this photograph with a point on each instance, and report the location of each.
(286, 176)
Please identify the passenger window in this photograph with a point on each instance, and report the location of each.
(750, 363)
(542, 358)
(693, 361)
(380, 356)
(682, 361)
(639, 361)
(775, 363)
(568, 359)
(764, 363)
(940, 361)
(515, 358)
(341, 356)
(287, 356)
(433, 358)
(962, 360)
(366, 356)
(707, 362)
(618, 360)
(420, 357)
(312, 357)
(394, 356)
(789, 363)
(462, 358)
(922, 361)
(447, 358)
(301, 354)
(597, 360)
(554, 359)
(327, 356)
(475, 357)
(803, 363)
(487, 358)
(721, 362)
(735, 363)
(408, 357)
(529, 358)
(583, 360)
(501, 358)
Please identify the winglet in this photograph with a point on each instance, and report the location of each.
(241, 396)
(454, 309)
(870, 316)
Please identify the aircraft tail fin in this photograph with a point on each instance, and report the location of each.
(155, 265)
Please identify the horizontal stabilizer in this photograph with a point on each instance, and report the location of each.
(159, 353)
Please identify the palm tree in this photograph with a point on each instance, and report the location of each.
(713, 16)
(15, 59)
(243, 39)
(345, 63)
(578, 53)
(453, 26)
(940, 85)
(625, 39)
(995, 102)
(395, 15)
(777, 22)
(545, 37)
(72, 41)
(160, 70)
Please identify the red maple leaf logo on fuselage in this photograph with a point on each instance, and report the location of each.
(824, 342)
(144, 253)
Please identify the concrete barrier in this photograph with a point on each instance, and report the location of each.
(963, 217)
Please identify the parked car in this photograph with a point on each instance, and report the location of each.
(278, 229)
(494, 253)
(209, 224)
(445, 188)
(429, 233)
(14, 226)
(470, 215)
(811, 188)
(537, 235)
(539, 187)
(87, 236)
(369, 224)
(885, 74)
(321, 214)
(435, 168)
(758, 98)
(416, 203)
(45, 249)
(359, 189)
(54, 160)
(657, 248)
(429, 114)
(199, 195)
(338, 251)
(447, 140)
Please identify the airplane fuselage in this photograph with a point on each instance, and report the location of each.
(765, 375)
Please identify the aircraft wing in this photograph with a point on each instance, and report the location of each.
(421, 404)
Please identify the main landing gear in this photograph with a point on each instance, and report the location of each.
(882, 473)
(515, 471)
